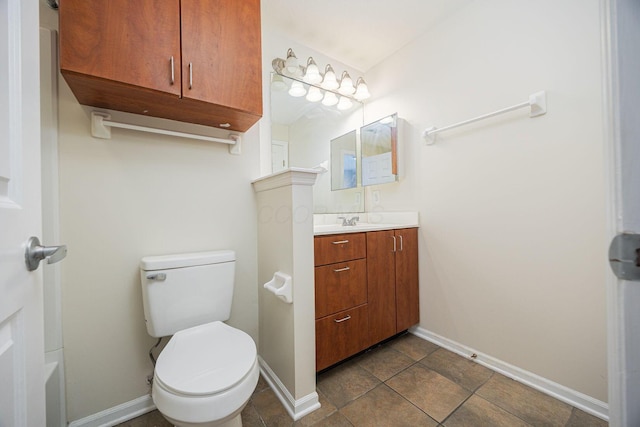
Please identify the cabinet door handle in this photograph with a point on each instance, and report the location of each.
(401, 243)
(394, 243)
(338, 270)
(190, 75)
(173, 73)
(344, 319)
(340, 242)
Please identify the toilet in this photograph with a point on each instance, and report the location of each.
(208, 370)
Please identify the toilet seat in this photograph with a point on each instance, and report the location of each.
(205, 360)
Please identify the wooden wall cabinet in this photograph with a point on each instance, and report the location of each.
(196, 61)
(366, 287)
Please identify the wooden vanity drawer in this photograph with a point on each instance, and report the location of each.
(340, 286)
(339, 247)
(341, 335)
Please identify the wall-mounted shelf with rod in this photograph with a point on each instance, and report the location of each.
(537, 103)
(101, 125)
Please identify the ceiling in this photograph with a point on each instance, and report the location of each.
(358, 33)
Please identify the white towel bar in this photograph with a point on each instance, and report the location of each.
(101, 125)
(537, 102)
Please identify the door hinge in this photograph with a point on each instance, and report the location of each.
(624, 256)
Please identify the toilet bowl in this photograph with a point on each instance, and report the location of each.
(208, 370)
(205, 376)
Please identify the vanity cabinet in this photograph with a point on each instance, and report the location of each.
(392, 280)
(366, 290)
(188, 60)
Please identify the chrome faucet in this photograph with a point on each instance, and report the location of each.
(349, 222)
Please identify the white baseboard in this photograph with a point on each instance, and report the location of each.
(572, 397)
(296, 408)
(118, 414)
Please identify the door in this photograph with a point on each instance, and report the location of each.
(623, 22)
(381, 284)
(279, 155)
(407, 286)
(22, 401)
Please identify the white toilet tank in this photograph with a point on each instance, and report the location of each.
(185, 290)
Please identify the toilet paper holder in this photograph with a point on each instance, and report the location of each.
(281, 286)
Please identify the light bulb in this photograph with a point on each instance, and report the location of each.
(297, 89)
(345, 103)
(330, 99)
(312, 73)
(314, 94)
(329, 82)
(362, 91)
(346, 84)
(291, 63)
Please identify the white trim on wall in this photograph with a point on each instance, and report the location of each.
(118, 414)
(296, 408)
(564, 394)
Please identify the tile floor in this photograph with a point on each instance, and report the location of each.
(411, 382)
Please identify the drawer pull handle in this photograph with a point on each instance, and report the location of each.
(340, 242)
(173, 73)
(344, 319)
(338, 270)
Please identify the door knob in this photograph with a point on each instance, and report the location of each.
(36, 253)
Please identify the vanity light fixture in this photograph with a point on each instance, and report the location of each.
(346, 84)
(362, 91)
(328, 82)
(291, 63)
(312, 73)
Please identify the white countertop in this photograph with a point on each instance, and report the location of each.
(324, 224)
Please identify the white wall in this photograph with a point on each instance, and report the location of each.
(512, 209)
(141, 194)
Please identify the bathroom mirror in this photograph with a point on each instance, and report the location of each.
(344, 173)
(379, 147)
(301, 135)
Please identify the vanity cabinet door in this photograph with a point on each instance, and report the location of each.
(340, 286)
(407, 284)
(381, 278)
(340, 335)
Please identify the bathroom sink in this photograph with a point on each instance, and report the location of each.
(340, 229)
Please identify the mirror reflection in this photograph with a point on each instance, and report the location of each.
(302, 132)
(343, 162)
(379, 142)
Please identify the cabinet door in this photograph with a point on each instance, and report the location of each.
(221, 53)
(381, 276)
(340, 335)
(407, 285)
(125, 41)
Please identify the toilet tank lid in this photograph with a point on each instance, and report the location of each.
(164, 262)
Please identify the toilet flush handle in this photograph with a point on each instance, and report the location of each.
(157, 276)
